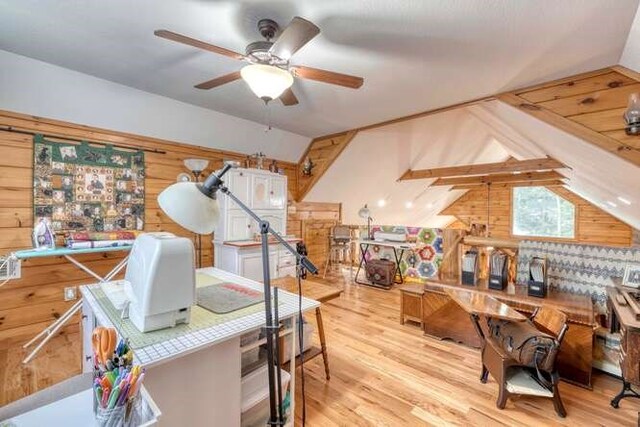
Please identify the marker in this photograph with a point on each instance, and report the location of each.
(113, 398)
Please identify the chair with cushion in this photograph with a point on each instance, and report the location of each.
(512, 376)
(339, 246)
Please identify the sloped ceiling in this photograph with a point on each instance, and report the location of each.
(491, 131)
(631, 55)
(415, 55)
(367, 170)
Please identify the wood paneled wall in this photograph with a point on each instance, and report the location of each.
(593, 225)
(312, 222)
(322, 152)
(31, 303)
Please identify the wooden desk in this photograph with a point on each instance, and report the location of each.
(321, 293)
(443, 318)
(480, 304)
(624, 321)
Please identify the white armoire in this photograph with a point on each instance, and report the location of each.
(236, 240)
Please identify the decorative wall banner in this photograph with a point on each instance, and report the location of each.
(84, 187)
(416, 265)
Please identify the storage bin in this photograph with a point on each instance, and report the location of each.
(250, 356)
(285, 347)
(255, 396)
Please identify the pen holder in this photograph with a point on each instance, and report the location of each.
(125, 415)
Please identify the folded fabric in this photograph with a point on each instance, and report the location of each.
(99, 244)
(87, 236)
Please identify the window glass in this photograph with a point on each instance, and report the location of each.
(539, 212)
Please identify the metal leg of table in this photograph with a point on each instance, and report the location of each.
(364, 247)
(50, 331)
(398, 259)
(626, 391)
(475, 320)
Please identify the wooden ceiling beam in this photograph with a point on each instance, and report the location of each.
(499, 178)
(530, 165)
(548, 183)
(597, 139)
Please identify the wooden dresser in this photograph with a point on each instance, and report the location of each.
(443, 318)
(624, 321)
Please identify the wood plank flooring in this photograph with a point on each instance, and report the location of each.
(387, 374)
(382, 374)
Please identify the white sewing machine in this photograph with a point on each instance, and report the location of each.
(160, 282)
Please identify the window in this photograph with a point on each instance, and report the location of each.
(540, 212)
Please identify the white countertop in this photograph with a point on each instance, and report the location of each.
(206, 337)
(388, 244)
(254, 243)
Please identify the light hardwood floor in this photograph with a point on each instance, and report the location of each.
(384, 373)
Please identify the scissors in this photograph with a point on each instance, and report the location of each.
(104, 341)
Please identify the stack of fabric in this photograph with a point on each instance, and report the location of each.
(90, 239)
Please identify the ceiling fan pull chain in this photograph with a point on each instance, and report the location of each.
(267, 114)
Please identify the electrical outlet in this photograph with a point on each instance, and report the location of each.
(70, 293)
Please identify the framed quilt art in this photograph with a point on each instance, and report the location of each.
(86, 187)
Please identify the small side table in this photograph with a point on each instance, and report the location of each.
(411, 303)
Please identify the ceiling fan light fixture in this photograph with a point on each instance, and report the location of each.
(266, 81)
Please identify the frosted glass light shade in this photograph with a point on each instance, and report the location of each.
(632, 115)
(266, 81)
(364, 212)
(196, 165)
(185, 204)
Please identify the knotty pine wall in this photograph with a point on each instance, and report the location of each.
(312, 222)
(593, 225)
(33, 302)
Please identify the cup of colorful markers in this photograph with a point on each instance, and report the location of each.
(116, 382)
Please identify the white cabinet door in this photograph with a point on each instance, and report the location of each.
(238, 226)
(277, 192)
(251, 265)
(239, 184)
(276, 220)
(259, 192)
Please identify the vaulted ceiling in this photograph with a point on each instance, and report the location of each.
(415, 55)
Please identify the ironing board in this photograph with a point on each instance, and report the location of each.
(68, 254)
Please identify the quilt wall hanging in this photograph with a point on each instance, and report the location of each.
(418, 264)
(86, 187)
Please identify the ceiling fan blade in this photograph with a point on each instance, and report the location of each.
(170, 35)
(219, 81)
(298, 33)
(288, 98)
(325, 76)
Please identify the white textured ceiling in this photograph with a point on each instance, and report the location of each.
(415, 55)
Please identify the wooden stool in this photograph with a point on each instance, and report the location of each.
(411, 303)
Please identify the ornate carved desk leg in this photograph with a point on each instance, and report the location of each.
(475, 320)
(626, 391)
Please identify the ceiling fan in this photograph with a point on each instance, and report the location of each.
(269, 73)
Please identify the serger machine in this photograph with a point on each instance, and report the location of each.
(160, 282)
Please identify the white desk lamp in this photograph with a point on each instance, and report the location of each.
(194, 206)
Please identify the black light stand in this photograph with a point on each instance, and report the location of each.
(196, 175)
(209, 188)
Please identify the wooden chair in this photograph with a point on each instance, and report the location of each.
(515, 379)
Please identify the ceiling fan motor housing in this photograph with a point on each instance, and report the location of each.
(268, 28)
